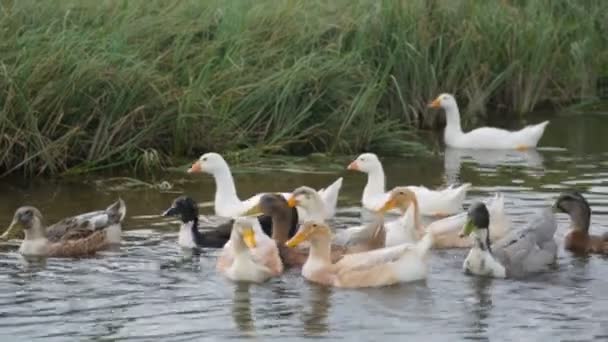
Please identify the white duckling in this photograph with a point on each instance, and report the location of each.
(530, 250)
(227, 202)
(484, 137)
(439, 203)
(249, 255)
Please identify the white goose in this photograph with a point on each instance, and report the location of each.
(484, 137)
(227, 202)
(432, 202)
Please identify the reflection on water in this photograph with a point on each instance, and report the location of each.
(148, 289)
(487, 159)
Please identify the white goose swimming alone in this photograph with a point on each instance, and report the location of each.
(437, 203)
(484, 137)
(227, 202)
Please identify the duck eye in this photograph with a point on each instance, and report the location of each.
(362, 159)
(401, 193)
(204, 159)
(314, 225)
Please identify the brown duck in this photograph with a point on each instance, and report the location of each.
(277, 208)
(578, 239)
(71, 237)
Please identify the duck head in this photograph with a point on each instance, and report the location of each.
(183, 207)
(445, 101)
(478, 222)
(307, 198)
(366, 162)
(209, 163)
(243, 234)
(400, 197)
(577, 207)
(310, 231)
(27, 219)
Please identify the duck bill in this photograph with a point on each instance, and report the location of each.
(292, 202)
(467, 229)
(195, 168)
(389, 205)
(353, 166)
(254, 211)
(435, 104)
(11, 231)
(297, 239)
(249, 237)
(170, 212)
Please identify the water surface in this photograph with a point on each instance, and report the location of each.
(147, 291)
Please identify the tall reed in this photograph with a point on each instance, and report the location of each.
(88, 85)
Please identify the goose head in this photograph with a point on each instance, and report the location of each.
(445, 101)
(366, 162)
(400, 197)
(209, 163)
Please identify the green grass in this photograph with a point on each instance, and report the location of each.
(89, 85)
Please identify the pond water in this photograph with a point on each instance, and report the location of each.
(145, 291)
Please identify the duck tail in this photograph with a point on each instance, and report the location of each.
(330, 196)
(117, 211)
(537, 131)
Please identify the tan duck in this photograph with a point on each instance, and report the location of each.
(409, 229)
(71, 237)
(380, 267)
(578, 239)
(249, 255)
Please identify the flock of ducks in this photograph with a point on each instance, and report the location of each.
(269, 232)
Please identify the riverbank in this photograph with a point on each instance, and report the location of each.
(134, 84)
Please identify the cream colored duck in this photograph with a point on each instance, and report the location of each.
(439, 203)
(227, 202)
(380, 267)
(249, 255)
(409, 228)
(520, 253)
(76, 236)
(484, 137)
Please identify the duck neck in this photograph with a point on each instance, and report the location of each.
(482, 240)
(36, 232)
(225, 190)
(416, 212)
(238, 245)
(581, 218)
(197, 236)
(452, 127)
(281, 224)
(375, 182)
(320, 250)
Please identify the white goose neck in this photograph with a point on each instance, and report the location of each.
(225, 190)
(375, 182)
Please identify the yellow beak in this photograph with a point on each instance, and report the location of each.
(254, 211)
(297, 239)
(292, 202)
(11, 231)
(390, 204)
(249, 237)
(435, 104)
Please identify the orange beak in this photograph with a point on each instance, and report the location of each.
(292, 202)
(353, 166)
(435, 104)
(195, 168)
